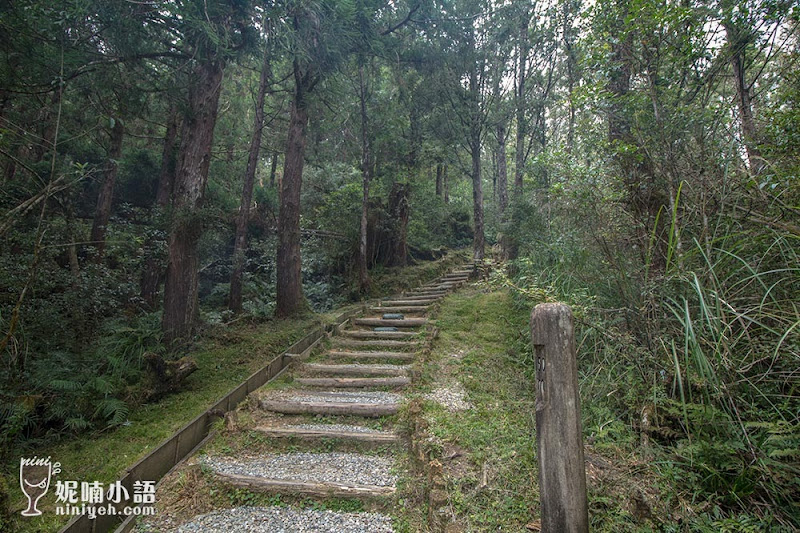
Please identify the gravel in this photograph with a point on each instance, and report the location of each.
(287, 520)
(377, 397)
(344, 468)
(453, 397)
(336, 427)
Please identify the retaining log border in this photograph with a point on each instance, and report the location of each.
(175, 449)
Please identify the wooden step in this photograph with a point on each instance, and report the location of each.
(354, 383)
(377, 437)
(392, 356)
(300, 407)
(356, 370)
(320, 490)
(354, 343)
(415, 294)
(391, 322)
(400, 309)
(357, 334)
(399, 302)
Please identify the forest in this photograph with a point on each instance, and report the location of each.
(169, 168)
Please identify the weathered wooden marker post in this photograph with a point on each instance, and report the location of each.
(562, 474)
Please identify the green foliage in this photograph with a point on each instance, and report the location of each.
(76, 393)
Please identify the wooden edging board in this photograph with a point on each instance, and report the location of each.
(172, 451)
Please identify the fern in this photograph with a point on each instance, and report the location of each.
(65, 385)
(76, 423)
(112, 411)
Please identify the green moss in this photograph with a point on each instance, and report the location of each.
(225, 358)
(480, 346)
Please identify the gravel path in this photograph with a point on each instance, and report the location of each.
(336, 427)
(344, 397)
(287, 520)
(345, 468)
(453, 397)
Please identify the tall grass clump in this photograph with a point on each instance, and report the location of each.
(688, 334)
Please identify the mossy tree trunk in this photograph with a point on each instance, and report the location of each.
(366, 177)
(289, 293)
(180, 286)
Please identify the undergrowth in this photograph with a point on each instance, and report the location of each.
(699, 380)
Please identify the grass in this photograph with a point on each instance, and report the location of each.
(488, 452)
(225, 358)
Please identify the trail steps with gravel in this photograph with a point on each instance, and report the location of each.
(352, 390)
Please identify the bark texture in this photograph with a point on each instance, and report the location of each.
(105, 197)
(194, 158)
(290, 299)
(366, 174)
(502, 169)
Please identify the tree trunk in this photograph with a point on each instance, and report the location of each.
(180, 286)
(273, 169)
(366, 173)
(106, 195)
(496, 171)
(49, 127)
(240, 242)
(445, 185)
(571, 61)
(521, 105)
(737, 40)
(619, 85)
(632, 170)
(439, 183)
(290, 299)
(399, 211)
(476, 125)
(152, 270)
(166, 175)
(478, 240)
(502, 169)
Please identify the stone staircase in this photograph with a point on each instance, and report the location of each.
(344, 397)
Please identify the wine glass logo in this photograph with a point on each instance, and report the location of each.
(34, 479)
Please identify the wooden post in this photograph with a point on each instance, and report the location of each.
(562, 473)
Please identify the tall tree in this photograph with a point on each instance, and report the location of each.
(289, 295)
(366, 178)
(194, 158)
(152, 271)
(474, 140)
(225, 31)
(106, 195)
(243, 218)
(521, 100)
